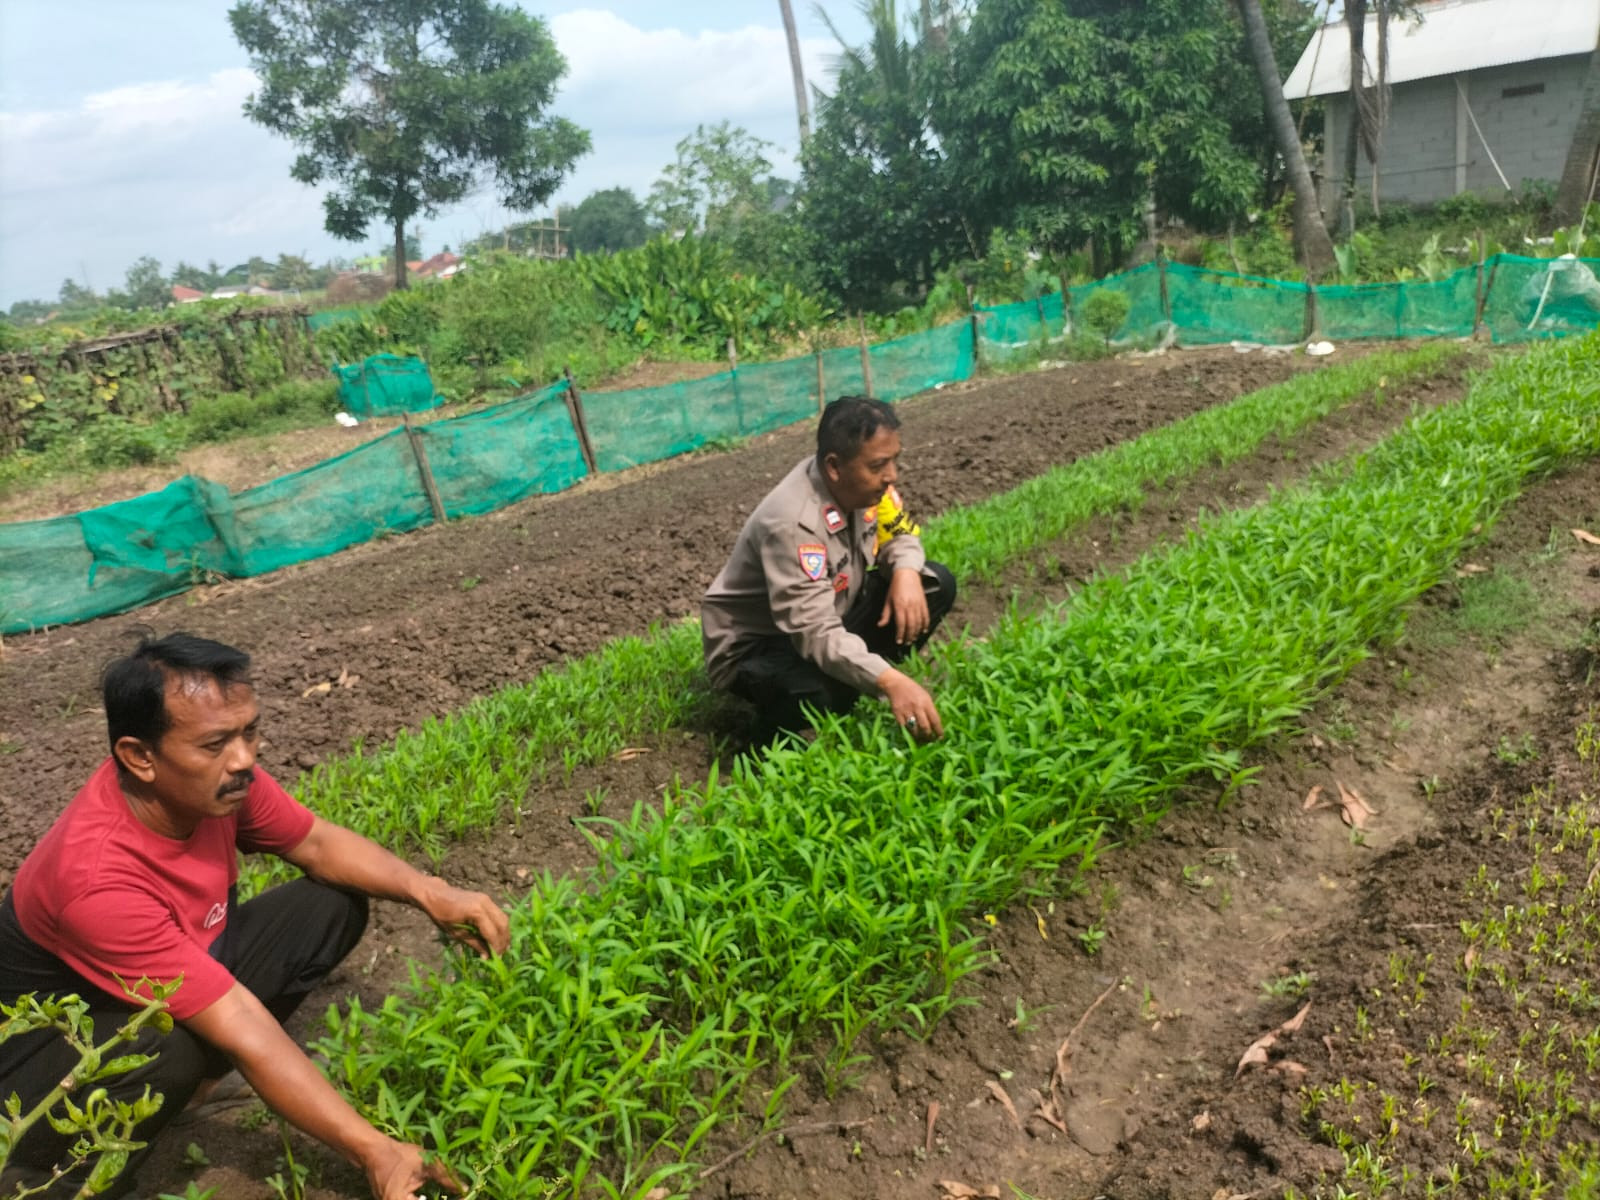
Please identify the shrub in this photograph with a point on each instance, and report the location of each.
(1105, 311)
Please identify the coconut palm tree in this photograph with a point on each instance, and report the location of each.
(1312, 244)
(795, 66)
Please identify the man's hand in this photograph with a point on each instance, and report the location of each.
(396, 1171)
(911, 704)
(470, 918)
(907, 605)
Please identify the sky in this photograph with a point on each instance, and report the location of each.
(121, 130)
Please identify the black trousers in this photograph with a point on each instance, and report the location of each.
(279, 945)
(781, 684)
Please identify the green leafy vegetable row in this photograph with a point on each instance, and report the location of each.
(466, 771)
(823, 893)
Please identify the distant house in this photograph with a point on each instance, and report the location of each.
(440, 266)
(1484, 94)
(186, 295)
(229, 292)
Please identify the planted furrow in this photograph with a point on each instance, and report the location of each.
(793, 903)
(467, 771)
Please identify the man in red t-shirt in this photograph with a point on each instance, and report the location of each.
(136, 880)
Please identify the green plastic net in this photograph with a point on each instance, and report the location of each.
(384, 385)
(122, 555)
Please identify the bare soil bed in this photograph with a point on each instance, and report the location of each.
(1207, 931)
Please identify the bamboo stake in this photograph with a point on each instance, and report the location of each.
(580, 426)
(866, 356)
(733, 371)
(822, 392)
(1161, 278)
(423, 469)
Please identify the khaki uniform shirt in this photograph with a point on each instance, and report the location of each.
(796, 567)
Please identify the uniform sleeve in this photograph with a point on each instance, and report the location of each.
(803, 608)
(272, 821)
(119, 935)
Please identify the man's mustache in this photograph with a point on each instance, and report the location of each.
(237, 783)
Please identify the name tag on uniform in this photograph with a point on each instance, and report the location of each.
(832, 518)
(841, 582)
(813, 560)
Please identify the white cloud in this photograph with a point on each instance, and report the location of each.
(172, 168)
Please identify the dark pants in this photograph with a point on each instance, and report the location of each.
(279, 945)
(781, 684)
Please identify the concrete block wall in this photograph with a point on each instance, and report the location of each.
(1431, 151)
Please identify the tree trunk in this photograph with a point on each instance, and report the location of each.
(800, 104)
(400, 255)
(1583, 154)
(1355, 16)
(1311, 242)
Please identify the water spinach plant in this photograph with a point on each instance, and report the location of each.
(824, 893)
(466, 771)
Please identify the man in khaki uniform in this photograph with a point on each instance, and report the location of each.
(827, 586)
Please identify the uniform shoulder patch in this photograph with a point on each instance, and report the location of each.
(813, 560)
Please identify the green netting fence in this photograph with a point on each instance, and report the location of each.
(384, 385)
(1509, 297)
(120, 556)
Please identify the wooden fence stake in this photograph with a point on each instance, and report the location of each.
(423, 469)
(733, 370)
(1313, 314)
(580, 426)
(1483, 286)
(1161, 277)
(866, 356)
(977, 339)
(822, 393)
(1066, 308)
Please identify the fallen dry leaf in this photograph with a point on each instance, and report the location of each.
(1317, 743)
(954, 1189)
(1202, 1122)
(1352, 808)
(317, 689)
(1327, 1044)
(999, 1094)
(1583, 535)
(657, 1193)
(933, 1115)
(629, 753)
(1043, 932)
(1312, 799)
(1290, 1067)
(1466, 569)
(1470, 957)
(1257, 1053)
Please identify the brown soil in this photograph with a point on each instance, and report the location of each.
(1196, 915)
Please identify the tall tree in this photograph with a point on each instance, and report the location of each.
(1312, 244)
(609, 220)
(408, 105)
(718, 181)
(879, 209)
(1067, 116)
(797, 69)
(1578, 179)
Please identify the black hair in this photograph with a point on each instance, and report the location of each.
(133, 688)
(848, 423)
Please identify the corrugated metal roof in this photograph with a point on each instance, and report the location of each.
(1451, 36)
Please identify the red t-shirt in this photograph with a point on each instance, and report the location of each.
(111, 897)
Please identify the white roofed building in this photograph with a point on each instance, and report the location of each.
(1484, 96)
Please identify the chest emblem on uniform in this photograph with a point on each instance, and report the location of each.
(832, 518)
(215, 916)
(813, 560)
(841, 582)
